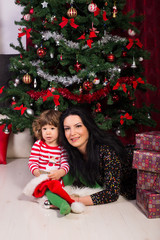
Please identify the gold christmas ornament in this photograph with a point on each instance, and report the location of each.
(72, 12)
(27, 79)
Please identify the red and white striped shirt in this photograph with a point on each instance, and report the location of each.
(47, 158)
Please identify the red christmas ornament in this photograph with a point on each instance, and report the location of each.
(27, 79)
(77, 66)
(87, 85)
(41, 52)
(31, 11)
(72, 12)
(110, 57)
(124, 54)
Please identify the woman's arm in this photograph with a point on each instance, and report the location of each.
(109, 176)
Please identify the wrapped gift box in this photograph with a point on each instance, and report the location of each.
(149, 203)
(148, 140)
(146, 160)
(148, 181)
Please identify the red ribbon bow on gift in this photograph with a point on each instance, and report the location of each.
(23, 109)
(126, 116)
(1, 89)
(55, 98)
(27, 33)
(65, 21)
(132, 41)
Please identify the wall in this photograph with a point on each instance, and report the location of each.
(9, 12)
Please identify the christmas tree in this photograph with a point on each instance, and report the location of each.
(78, 53)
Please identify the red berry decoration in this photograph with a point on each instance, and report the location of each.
(98, 108)
(72, 12)
(87, 85)
(110, 57)
(27, 79)
(41, 52)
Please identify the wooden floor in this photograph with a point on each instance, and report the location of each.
(21, 219)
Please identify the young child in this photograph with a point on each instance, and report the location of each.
(47, 156)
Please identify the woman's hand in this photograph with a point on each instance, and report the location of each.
(86, 200)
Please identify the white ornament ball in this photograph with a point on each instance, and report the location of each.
(141, 59)
(131, 32)
(92, 7)
(29, 112)
(27, 17)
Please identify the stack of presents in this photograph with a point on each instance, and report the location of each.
(146, 159)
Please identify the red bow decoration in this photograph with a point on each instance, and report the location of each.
(134, 41)
(55, 98)
(23, 109)
(97, 12)
(118, 85)
(1, 89)
(135, 83)
(126, 116)
(89, 41)
(65, 21)
(27, 33)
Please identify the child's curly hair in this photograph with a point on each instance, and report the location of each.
(50, 117)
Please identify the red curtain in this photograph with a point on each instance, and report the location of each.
(150, 37)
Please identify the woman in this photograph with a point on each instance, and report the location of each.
(94, 156)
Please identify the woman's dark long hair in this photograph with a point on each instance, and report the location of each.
(88, 169)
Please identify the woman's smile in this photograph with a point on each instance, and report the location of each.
(76, 132)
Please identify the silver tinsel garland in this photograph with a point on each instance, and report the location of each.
(59, 37)
(66, 81)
